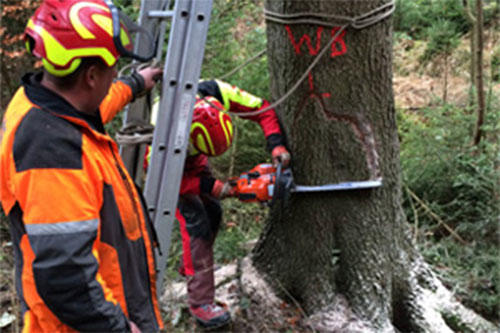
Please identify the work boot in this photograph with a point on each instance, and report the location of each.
(210, 315)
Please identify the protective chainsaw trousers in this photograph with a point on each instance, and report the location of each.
(199, 217)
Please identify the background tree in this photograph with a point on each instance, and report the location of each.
(474, 13)
(341, 125)
(443, 39)
(479, 32)
(473, 37)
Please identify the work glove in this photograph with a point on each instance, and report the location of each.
(142, 81)
(280, 154)
(222, 190)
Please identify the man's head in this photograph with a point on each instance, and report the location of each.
(211, 129)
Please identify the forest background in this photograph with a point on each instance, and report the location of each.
(450, 181)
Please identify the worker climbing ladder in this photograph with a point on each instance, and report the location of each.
(182, 67)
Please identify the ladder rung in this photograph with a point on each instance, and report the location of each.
(161, 14)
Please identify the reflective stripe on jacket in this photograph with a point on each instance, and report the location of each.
(82, 241)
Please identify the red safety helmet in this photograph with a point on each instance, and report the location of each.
(61, 32)
(212, 129)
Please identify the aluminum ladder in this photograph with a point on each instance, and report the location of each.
(182, 67)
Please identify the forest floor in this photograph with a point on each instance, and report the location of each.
(415, 86)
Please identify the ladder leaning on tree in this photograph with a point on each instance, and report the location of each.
(182, 67)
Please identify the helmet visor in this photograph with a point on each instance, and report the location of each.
(130, 39)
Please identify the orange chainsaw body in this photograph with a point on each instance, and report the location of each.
(256, 184)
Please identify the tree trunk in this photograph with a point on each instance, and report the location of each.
(473, 36)
(341, 126)
(445, 84)
(479, 73)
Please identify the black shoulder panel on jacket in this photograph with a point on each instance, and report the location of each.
(210, 88)
(43, 140)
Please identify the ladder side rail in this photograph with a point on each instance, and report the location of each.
(166, 111)
(178, 138)
(138, 110)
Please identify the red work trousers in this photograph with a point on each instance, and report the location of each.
(199, 217)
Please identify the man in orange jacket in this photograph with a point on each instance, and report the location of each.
(82, 240)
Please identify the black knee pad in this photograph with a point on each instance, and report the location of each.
(198, 223)
(214, 211)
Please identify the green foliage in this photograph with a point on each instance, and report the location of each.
(495, 65)
(470, 272)
(415, 17)
(129, 7)
(231, 40)
(441, 167)
(443, 38)
(242, 224)
(459, 183)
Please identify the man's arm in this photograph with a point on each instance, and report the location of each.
(125, 89)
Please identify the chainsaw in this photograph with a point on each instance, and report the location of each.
(266, 183)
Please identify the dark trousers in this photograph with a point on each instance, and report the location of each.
(199, 217)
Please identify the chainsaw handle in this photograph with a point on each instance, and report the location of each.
(283, 184)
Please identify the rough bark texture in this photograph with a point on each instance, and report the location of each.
(341, 126)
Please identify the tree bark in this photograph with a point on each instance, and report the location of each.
(341, 126)
(479, 73)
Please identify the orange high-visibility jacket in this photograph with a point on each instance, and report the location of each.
(83, 243)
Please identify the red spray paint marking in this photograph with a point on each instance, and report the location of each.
(339, 41)
(307, 39)
(311, 88)
(360, 127)
(313, 94)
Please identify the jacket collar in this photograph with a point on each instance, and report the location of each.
(51, 101)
